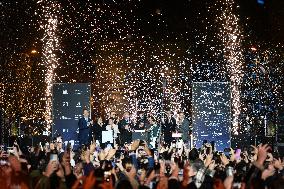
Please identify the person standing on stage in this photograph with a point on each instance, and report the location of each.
(141, 118)
(140, 125)
(112, 115)
(98, 127)
(154, 132)
(183, 126)
(125, 127)
(112, 126)
(168, 127)
(84, 128)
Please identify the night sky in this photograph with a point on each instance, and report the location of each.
(125, 48)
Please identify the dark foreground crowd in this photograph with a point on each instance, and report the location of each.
(136, 166)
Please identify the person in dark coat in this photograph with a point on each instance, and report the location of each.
(154, 132)
(183, 125)
(98, 128)
(125, 127)
(168, 127)
(84, 128)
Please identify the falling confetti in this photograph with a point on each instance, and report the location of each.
(127, 48)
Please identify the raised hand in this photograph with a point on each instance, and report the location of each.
(110, 154)
(212, 165)
(51, 167)
(278, 164)
(175, 169)
(102, 155)
(92, 147)
(224, 160)
(208, 160)
(147, 150)
(262, 153)
(135, 145)
(162, 168)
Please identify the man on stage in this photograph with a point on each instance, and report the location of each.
(84, 128)
(183, 126)
(168, 127)
(154, 132)
(125, 127)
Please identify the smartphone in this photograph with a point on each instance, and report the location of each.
(156, 154)
(109, 146)
(238, 153)
(227, 151)
(207, 150)
(53, 157)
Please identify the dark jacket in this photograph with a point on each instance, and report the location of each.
(84, 131)
(168, 128)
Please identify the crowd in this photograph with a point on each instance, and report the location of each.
(158, 162)
(135, 166)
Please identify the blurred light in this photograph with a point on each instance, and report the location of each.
(253, 48)
(33, 51)
(261, 2)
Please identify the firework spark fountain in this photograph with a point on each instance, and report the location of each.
(231, 37)
(49, 24)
